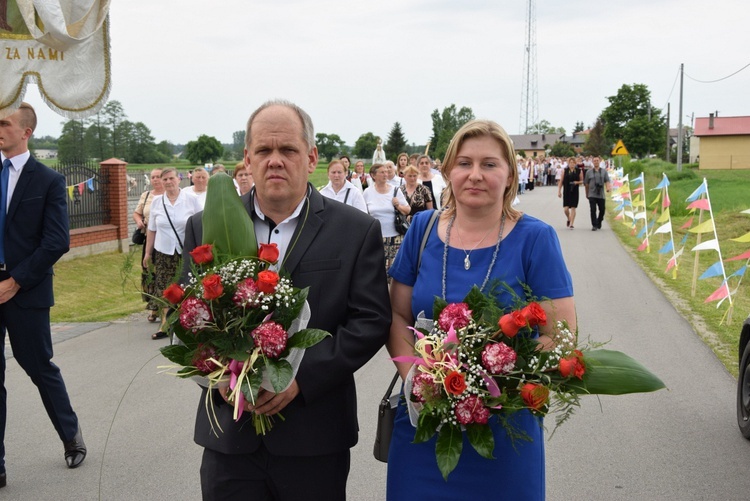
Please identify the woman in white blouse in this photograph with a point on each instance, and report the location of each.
(200, 186)
(166, 232)
(382, 201)
(341, 190)
(429, 178)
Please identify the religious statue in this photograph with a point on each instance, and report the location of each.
(379, 156)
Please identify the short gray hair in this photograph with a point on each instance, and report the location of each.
(308, 131)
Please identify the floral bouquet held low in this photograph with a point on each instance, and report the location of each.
(477, 363)
(240, 324)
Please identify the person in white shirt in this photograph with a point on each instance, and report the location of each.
(434, 182)
(390, 174)
(200, 186)
(382, 201)
(341, 190)
(166, 233)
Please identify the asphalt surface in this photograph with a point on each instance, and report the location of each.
(676, 444)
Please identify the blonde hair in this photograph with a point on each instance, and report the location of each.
(410, 169)
(334, 162)
(477, 129)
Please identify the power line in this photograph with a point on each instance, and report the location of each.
(671, 91)
(717, 80)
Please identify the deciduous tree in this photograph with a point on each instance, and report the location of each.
(544, 127)
(596, 144)
(365, 145)
(445, 125)
(203, 150)
(329, 145)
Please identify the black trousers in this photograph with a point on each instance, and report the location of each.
(594, 203)
(264, 476)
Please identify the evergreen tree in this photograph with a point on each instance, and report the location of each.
(596, 144)
(396, 142)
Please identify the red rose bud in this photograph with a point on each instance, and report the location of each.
(573, 365)
(455, 383)
(174, 293)
(534, 314)
(512, 322)
(534, 395)
(267, 281)
(269, 252)
(202, 254)
(212, 288)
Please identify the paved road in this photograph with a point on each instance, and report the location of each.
(680, 444)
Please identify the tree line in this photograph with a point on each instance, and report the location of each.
(630, 116)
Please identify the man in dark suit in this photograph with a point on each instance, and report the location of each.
(337, 252)
(35, 236)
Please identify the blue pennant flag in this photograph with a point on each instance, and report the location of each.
(90, 184)
(663, 184)
(739, 272)
(700, 191)
(713, 271)
(668, 247)
(684, 239)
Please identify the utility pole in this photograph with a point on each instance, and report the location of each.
(679, 123)
(668, 148)
(529, 91)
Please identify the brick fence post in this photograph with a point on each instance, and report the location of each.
(116, 198)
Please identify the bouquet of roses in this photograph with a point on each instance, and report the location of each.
(476, 363)
(240, 324)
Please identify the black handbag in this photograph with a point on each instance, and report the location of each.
(386, 413)
(402, 224)
(139, 238)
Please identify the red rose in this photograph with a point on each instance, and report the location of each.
(534, 314)
(534, 395)
(202, 254)
(269, 252)
(573, 365)
(267, 281)
(512, 322)
(174, 294)
(212, 287)
(454, 383)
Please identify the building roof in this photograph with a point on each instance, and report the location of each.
(722, 126)
(534, 141)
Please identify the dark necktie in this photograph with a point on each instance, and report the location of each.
(3, 205)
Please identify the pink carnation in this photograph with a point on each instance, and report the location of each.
(201, 359)
(246, 294)
(194, 314)
(271, 337)
(471, 410)
(498, 358)
(424, 387)
(456, 314)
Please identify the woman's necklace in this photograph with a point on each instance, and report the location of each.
(467, 260)
(492, 263)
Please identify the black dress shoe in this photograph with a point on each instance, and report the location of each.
(3, 479)
(75, 450)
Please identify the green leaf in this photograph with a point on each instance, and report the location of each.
(226, 223)
(176, 353)
(448, 448)
(610, 372)
(307, 338)
(481, 438)
(280, 373)
(426, 427)
(251, 386)
(438, 306)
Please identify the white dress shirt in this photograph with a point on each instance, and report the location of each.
(185, 206)
(18, 162)
(355, 198)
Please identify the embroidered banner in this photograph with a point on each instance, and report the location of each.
(60, 45)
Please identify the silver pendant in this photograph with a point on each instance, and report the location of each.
(467, 263)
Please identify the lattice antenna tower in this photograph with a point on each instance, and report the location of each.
(529, 88)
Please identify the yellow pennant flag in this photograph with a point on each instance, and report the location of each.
(664, 216)
(656, 200)
(743, 239)
(70, 192)
(704, 227)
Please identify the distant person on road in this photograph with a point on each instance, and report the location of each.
(567, 189)
(341, 190)
(200, 186)
(360, 178)
(595, 182)
(33, 236)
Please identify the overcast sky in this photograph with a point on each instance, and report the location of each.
(189, 67)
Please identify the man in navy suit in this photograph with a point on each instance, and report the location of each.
(336, 251)
(33, 236)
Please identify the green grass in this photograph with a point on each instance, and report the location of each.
(97, 288)
(728, 194)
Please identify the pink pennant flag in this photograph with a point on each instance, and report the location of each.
(638, 190)
(688, 224)
(619, 216)
(643, 245)
(719, 293)
(745, 255)
(626, 195)
(666, 202)
(701, 203)
(670, 264)
(80, 188)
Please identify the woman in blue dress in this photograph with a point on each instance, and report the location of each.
(478, 239)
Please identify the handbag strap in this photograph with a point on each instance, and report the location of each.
(346, 197)
(426, 235)
(144, 207)
(170, 222)
(395, 191)
(391, 386)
